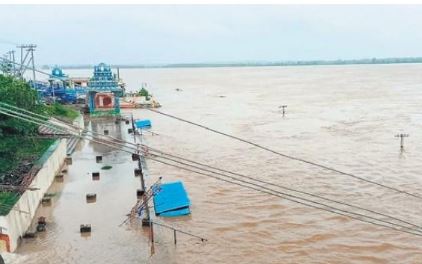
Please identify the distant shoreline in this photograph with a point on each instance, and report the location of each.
(252, 64)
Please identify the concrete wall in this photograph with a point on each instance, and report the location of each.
(16, 223)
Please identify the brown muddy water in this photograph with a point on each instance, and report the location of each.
(342, 116)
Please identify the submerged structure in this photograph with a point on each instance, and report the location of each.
(103, 92)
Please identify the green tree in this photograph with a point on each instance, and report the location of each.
(6, 66)
(144, 92)
(17, 92)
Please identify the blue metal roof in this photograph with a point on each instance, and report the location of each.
(143, 123)
(172, 200)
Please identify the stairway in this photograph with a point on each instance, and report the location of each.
(72, 142)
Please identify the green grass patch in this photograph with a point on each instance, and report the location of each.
(63, 111)
(106, 167)
(7, 201)
(14, 150)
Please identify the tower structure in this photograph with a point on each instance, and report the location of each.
(103, 91)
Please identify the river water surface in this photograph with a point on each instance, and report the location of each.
(342, 116)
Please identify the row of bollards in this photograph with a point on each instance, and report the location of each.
(46, 201)
(85, 229)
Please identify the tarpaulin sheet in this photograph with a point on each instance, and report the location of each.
(143, 123)
(171, 200)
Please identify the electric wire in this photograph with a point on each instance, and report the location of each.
(291, 199)
(297, 197)
(265, 148)
(279, 186)
(287, 156)
(347, 213)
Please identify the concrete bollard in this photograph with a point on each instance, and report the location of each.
(91, 198)
(95, 176)
(85, 228)
(138, 172)
(68, 160)
(29, 235)
(59, 178)
(135, 157)
(41, 224)
(46, 201)
(41, 220)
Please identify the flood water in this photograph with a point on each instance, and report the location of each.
(341, 116)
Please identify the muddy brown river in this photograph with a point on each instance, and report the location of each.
(342, 116)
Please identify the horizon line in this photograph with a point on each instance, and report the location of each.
(256, 63)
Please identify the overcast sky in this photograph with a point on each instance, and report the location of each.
(180, 34)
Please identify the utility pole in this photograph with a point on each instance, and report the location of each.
(147, 220)
(12, 59)
(402, 136)
(31, 49)
(283, 109)
(27, 59)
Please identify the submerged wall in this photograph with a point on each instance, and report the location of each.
(16, 223)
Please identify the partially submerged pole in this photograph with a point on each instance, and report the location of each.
(402, 136)
(283, 109)
(145, 221)
(152, 232)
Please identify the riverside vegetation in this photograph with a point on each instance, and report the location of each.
(20, 145)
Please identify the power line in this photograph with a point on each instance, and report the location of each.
(278, 185)
(305, 199)
(285, 155)
(26, 67)
(52, 126)
(264, 189)
(281, 195)
(5, 41)
(256, 145)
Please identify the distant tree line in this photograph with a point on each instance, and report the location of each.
(256, 63)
